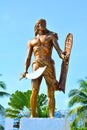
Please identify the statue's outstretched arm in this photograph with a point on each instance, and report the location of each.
(28, 57)
(27, 60)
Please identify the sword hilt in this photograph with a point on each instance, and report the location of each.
(23, 75)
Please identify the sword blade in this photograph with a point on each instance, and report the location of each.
(36, 74)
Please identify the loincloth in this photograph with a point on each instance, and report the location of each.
(49, 73)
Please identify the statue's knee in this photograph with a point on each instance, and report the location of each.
(51, 94)
(34, 92)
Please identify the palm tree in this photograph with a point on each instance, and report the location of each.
(3, 86)
(78, 99)
(2, 93)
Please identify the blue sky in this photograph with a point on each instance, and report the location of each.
(17, 20)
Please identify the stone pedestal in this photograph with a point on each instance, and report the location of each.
(44, 124)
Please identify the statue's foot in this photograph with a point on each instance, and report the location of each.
(32, 116)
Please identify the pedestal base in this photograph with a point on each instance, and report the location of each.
(44, 124)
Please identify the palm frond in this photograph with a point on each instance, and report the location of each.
(84, 90)
(78, 119)
(4, 94)
(15, 105)
(12, 113)
(2, 85)
(72, 111)
(42, 99)
(1, 127)
(77, 110)
(42, 106)
(78, 92)
(73, 92)
(82, 109)
(74, 100)
(77, 97)
(83, 94)
(18, 100)
(83, 83)
(2, 110)
(1, 107)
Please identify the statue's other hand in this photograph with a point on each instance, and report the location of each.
(23, 75)
(63, 55)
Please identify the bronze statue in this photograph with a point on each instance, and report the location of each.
(42, 45)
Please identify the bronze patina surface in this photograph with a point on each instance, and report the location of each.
(42, 45)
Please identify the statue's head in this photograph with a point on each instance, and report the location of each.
(40, 24)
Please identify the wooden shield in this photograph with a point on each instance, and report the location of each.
(65, 63)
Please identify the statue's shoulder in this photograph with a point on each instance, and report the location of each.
(54, 34)
(30, 42)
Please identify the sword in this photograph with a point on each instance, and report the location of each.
(36, 74)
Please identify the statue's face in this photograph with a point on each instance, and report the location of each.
(41, 25)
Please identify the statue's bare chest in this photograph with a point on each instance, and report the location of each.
(43, 39)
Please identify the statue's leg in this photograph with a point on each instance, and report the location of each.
(51, 100)
(35, 90)
(50, 79)
(33, 98)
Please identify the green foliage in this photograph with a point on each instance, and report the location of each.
(42, 109)
(2, 85)
(1, 127)
(2, 110)
(80, 128)
(78, 97)
(17, 102)
(20, 103)
(2, 93)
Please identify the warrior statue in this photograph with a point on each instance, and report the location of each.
(42, 45)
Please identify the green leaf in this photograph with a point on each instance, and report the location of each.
(4, 94)
(78, 100)
(2, 85)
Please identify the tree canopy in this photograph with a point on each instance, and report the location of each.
(78, 103)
